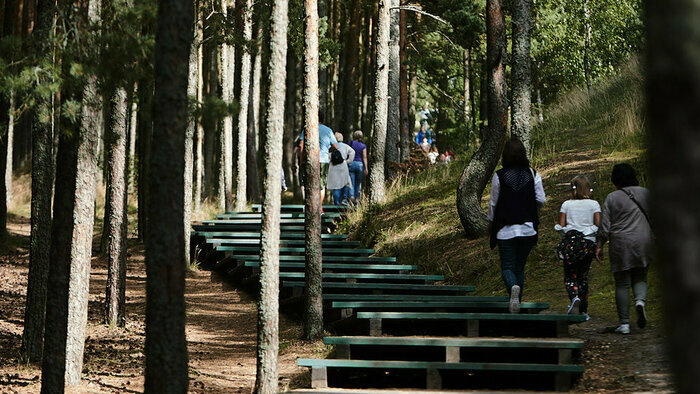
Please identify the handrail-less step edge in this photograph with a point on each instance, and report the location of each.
(339, 363)
(469, 316)
(546, 343)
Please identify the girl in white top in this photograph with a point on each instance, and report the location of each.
(579, 216)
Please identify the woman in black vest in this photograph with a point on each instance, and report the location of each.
(516, 196)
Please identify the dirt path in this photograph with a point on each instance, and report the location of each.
(221, 331)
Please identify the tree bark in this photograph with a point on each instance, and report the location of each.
(42, 186)
(350, 78)
(241, 170)
(587, 45)
(403, 82)
(166, 347)
(290, 129)
(480, 168)
(192, 88)
(199, 137)
(252, 177)
(467, 54)
(483, 101)
(268, 306)
(376, 173)
(10, 145)
(313, 303)
(394, 114)
(71, 242)
(228, 71)
(673, 91)
(520, 74)
(145, 135)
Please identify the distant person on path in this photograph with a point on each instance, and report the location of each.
(327, 143)
(625, 224)
(424, 133)
(297, 164)
(425, 146)
(578, 224)
(358, 168)
(516, 196)
(433, 154)
(338, 174)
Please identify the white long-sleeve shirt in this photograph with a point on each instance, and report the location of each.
(526, 229)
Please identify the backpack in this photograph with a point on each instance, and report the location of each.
(574, 247)
(337, 157)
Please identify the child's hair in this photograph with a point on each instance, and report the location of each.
(581, 188)
(434, 149)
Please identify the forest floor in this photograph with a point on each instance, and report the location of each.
(221, 331)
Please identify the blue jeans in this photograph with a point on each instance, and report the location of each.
(340, 195)
(357, 172)
(513, 253)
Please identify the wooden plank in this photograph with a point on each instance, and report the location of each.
(407, 297)
(471, 316)
(379, 267)
(253, 215)
(363, 275)
(470, 366)
(243, 234)
(300, 208)
(296, 221)
(482, 342)
(332, 258)
(337, 251)
(385, 286)
(241, 227)
(283, 242)
(389, 305)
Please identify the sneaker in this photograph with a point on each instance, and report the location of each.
(640, 306)
(514, 305)
(587, 316)
(623, 329)
(573, 308)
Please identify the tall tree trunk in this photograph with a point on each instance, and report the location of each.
(133, 111)
(42, 179)
(403, 83)
(241, 156)
(394, 114)
(10, 145)
(71, 242)
(376, 173)
(467, 54)
(313, 303)
(367, 82)
(145, 135)
(673, 91)
(116, 225)
(290, 130)
(587, 45)
(478, 171)
(540, 107)
(228, 71)
(268, 307)
(484, 101)
(166, 347)
(192, 88)
(252, 177)
(520, 73)
(323, 80)
(199, 137)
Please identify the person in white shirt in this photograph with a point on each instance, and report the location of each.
(516, 196)
(578, 224)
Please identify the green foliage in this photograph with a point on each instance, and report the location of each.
(328, 50)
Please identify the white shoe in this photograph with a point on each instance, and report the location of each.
(514, 305)
(640, 306)
(573, 308)
(623, 329)
(587, 316)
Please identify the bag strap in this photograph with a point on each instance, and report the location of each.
(631, 196)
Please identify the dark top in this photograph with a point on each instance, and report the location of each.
(358, 147)
(516, 199)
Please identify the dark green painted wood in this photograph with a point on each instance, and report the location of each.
(240, 227)
(386, 286)
(335, 251)
(258, 221)
(242, 234)
(371, 267)
(361, 275)
(391, 305)
(300, 208)
(283, 242)
(407, 297)
(470, 316)
(333, 258)
(338, 363)
(254, 215)
(538, 343)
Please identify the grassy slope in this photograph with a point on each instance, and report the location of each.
(419, 222)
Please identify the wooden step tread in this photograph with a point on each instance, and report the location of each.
(396, 286)
(436, 304)
(339, 363)
(283, 242)
(347, 251)
(207, 233)
(540, 343)
(408, 297)
(364, 275)
(334, 258)
(471, 316)
(330, 265)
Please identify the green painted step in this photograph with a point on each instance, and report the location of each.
(326, 258)
(368, 267)
(241, 227)
(407, 297)
(283, 242)
(300, 208)
(325, 251)
(384, 286)
(394, 305)
(242, 234)
(484, 342)
(471, 316)
(361, 275)
(257, 221)
(257, 215)
(337, 363)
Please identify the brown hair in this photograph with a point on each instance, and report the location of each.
(514, 154)
(581, 188)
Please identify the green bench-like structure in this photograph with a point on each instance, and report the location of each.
(257, 215)
(286, 250)
(331, 266)
(300, 208)
(325, 258)
(326, 243)
(349, 307)
(353, 277)
(209, 232)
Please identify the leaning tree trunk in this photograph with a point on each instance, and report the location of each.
(116, 224)
(42, 179)
(241, 155)
(379, 139)
(166, 347)
(268, 306)
(673, 93)
(403, 83)
(520, 74)
(71, 242)
(313, 301)
(394, 114)
(480, 168)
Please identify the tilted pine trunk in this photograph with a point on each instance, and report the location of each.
(394, 114)
(192, 87)
(268, 307)
(403, 82)
(115, 227)
(520, 74)
(166, 347)
(228, 69)
(376, 173)
(71, 243)
(42, 179)
(313, 300)
(241, 152)
(480, 168)
(673, 93)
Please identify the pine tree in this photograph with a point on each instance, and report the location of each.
(241, 152)
(376, 172)
(520, 73)
(394, 91)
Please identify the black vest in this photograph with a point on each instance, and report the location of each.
(516, 199)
